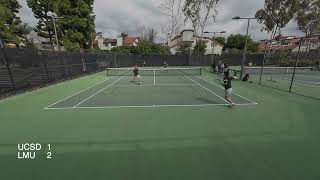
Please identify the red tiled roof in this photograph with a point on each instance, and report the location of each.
(263, 47)
(291, 42)
(129, 40)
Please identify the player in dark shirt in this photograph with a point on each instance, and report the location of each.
(136, 75)
(245, 78)
(228, 87)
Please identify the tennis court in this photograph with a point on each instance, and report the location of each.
(176, 125)
(159, 88)
(306, 80)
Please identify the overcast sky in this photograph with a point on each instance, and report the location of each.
(116, 16)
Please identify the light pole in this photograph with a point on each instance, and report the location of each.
(55, 28)
(55, 31)
(245, 46)
(214, 37)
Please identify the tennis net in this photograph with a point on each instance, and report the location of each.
(281, 70)
(155, 72)
(275, 70)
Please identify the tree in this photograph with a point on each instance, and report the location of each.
(221, 40)
(123, 50)
(147, 33)
(42, 10)
(11, 28)
(308, 18)
(253, 46)
(143, 48)
(199, 48)
(276, 15)
(199, 12)
(99, 34)
(77, 25)
(184, 49)
(173, 10)
(123, 34)
(164, 50)
(152, 34)
(237, 41)
(146, 48)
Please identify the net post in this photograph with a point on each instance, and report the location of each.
(200, 71)
(295, 66)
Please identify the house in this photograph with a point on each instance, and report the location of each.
(309, 44)
(105, 43)
(42, 43)
(109, 43)
(187, 38)
(290, 43)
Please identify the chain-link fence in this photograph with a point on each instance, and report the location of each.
(295, 72)
(28, 68)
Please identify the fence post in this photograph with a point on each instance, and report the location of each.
(8, 67)
(262, 65)
(45, 64)
(115, 60)
(295, 66)
(318, 58)
(83, 61)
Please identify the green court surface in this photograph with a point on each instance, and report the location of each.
(303, 84)
(306, 82)
(170, 127)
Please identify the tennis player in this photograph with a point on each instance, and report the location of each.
(165, 65)
(228, 87)
(245, 78)
(136, 75)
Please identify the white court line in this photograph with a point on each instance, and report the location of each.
(78, 92)
(149, 106)
(97, 92)
(207, 89)
(294, 81)
(316, 76)
(301, 82)
(232, 92)
(119, 85)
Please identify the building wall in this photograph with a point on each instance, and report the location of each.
(312, 46)
(187, 36)
(217, 50)
(119, 41)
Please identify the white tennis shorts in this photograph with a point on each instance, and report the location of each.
(228, 92)
(138, 76)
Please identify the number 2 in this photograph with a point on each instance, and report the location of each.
(49, 155)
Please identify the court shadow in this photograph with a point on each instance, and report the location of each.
(133, 82)
(207, 101)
